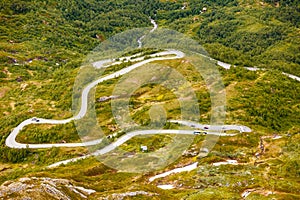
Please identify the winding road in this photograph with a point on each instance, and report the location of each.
(11, 139)
(169, 54)
(172, 54)
(130, 135)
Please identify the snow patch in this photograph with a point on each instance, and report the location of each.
(227, 162)
(177, 170)
(166, 187)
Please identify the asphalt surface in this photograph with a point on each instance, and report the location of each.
(172, 54)
(206, 127)
(132, 134)
(11, 139)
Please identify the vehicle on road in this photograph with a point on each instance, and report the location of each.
(35, 119)
(200, 133)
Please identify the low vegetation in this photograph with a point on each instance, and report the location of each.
(42, 46)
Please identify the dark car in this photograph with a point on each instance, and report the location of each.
(197, 132)
(35, 119)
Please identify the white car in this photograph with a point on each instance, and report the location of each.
(200, 133)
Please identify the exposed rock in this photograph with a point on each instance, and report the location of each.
(106, 98)
(120, 196)
(43, 188)
(191, 152)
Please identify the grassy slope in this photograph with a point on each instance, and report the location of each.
(278, 162)
(246, 33)
(267, 102)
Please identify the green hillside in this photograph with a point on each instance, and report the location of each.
(43, 45)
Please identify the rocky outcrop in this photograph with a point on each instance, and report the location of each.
(43, 188)
(121, 196)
